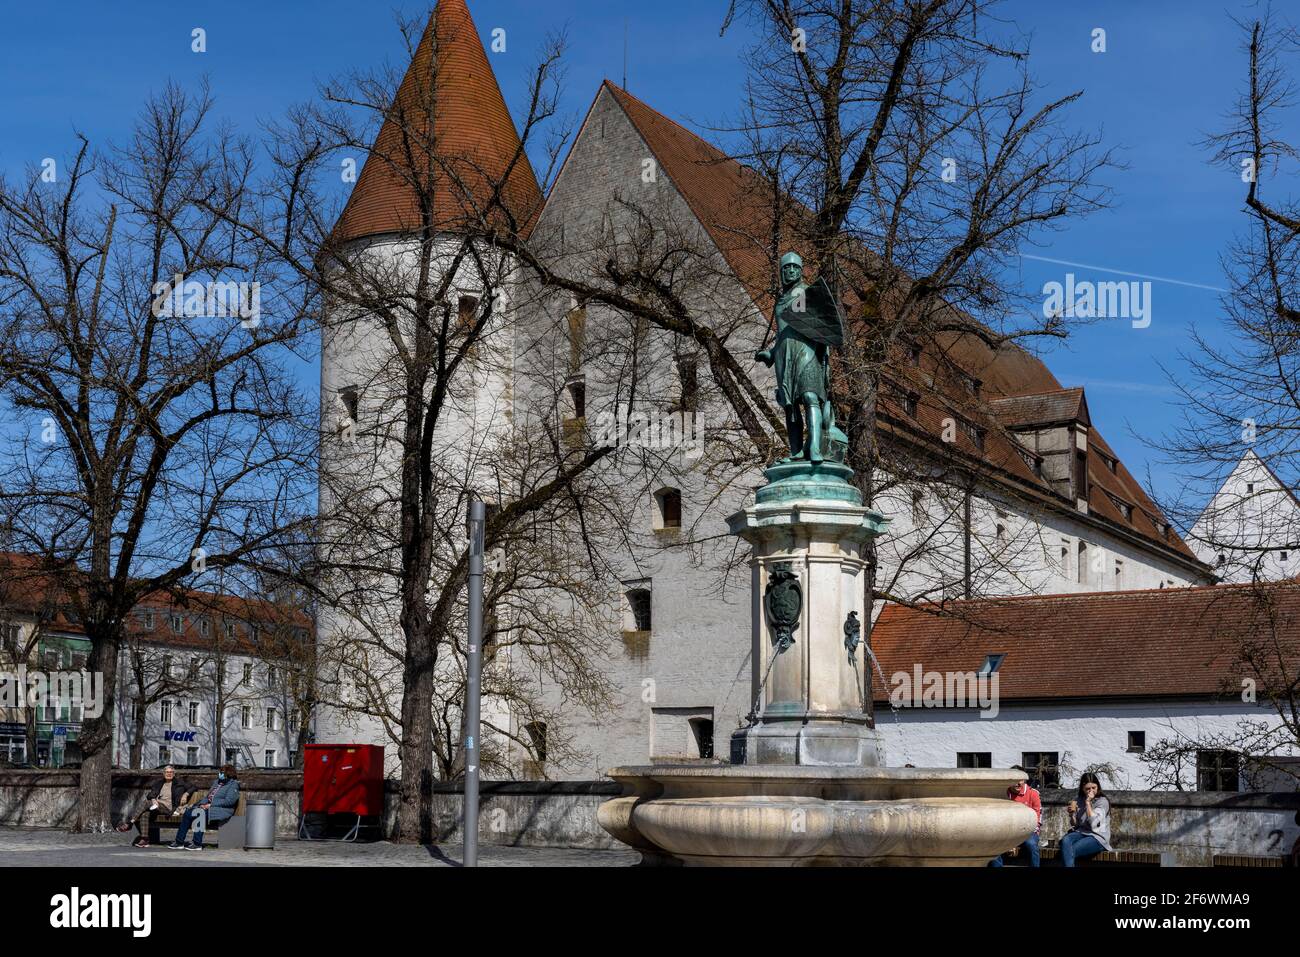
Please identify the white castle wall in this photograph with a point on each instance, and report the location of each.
(1084, 734)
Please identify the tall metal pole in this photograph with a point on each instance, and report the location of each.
(476, 516)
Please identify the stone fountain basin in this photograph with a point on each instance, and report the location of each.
(770, 815)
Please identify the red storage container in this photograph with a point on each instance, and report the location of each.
(343, 779)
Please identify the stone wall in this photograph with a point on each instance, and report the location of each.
(49, 798)
(1192, 826)
(524, 813)
(528, 813)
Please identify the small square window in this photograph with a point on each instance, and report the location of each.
(668, 509)
(1043, 768)
(1137, 742)
(1218, 770)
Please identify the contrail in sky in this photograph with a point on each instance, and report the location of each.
(1120, 272)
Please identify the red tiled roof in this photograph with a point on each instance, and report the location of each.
(1160, 642)
(734, 203)
(1043, 408)
(474, 137)
(25, 587)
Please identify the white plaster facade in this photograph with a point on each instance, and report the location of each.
(1083, 734)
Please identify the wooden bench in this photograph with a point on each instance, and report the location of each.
(232, 830)
(1248, 860)
(1052, 852)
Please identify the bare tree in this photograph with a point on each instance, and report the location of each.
(1240, 391)
(163, 433)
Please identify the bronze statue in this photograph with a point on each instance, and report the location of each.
(808, 325)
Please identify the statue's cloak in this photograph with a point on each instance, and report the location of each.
(820, 320)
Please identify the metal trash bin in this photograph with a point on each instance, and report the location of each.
(259, 823)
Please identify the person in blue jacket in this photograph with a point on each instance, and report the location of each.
(217, 805)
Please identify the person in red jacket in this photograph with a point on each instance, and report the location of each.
(1030, 798)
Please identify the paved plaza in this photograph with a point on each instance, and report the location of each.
(44, 847)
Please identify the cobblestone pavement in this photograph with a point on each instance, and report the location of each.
(22, 847)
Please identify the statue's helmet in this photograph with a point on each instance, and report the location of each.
(791, 257)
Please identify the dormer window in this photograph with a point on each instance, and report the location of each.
(973, 432)
(1124, 507)
(991, 664)
(1033, 461)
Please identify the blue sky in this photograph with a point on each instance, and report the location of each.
(1170, 71)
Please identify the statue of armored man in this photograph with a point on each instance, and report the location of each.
(809, 324)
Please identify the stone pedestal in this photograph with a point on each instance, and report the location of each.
(809, 522)
(805, 787)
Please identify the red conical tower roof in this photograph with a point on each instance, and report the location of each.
(473, 142)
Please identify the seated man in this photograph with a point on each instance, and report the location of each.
(214, 807)
(165, 795)
(1022, 793)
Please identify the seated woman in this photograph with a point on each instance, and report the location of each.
(214, 807)
(1090, 822)
(165, 795)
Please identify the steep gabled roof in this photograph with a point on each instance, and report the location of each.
(731, 201)
(1128, 644)
(735, 205)
(473, 143)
